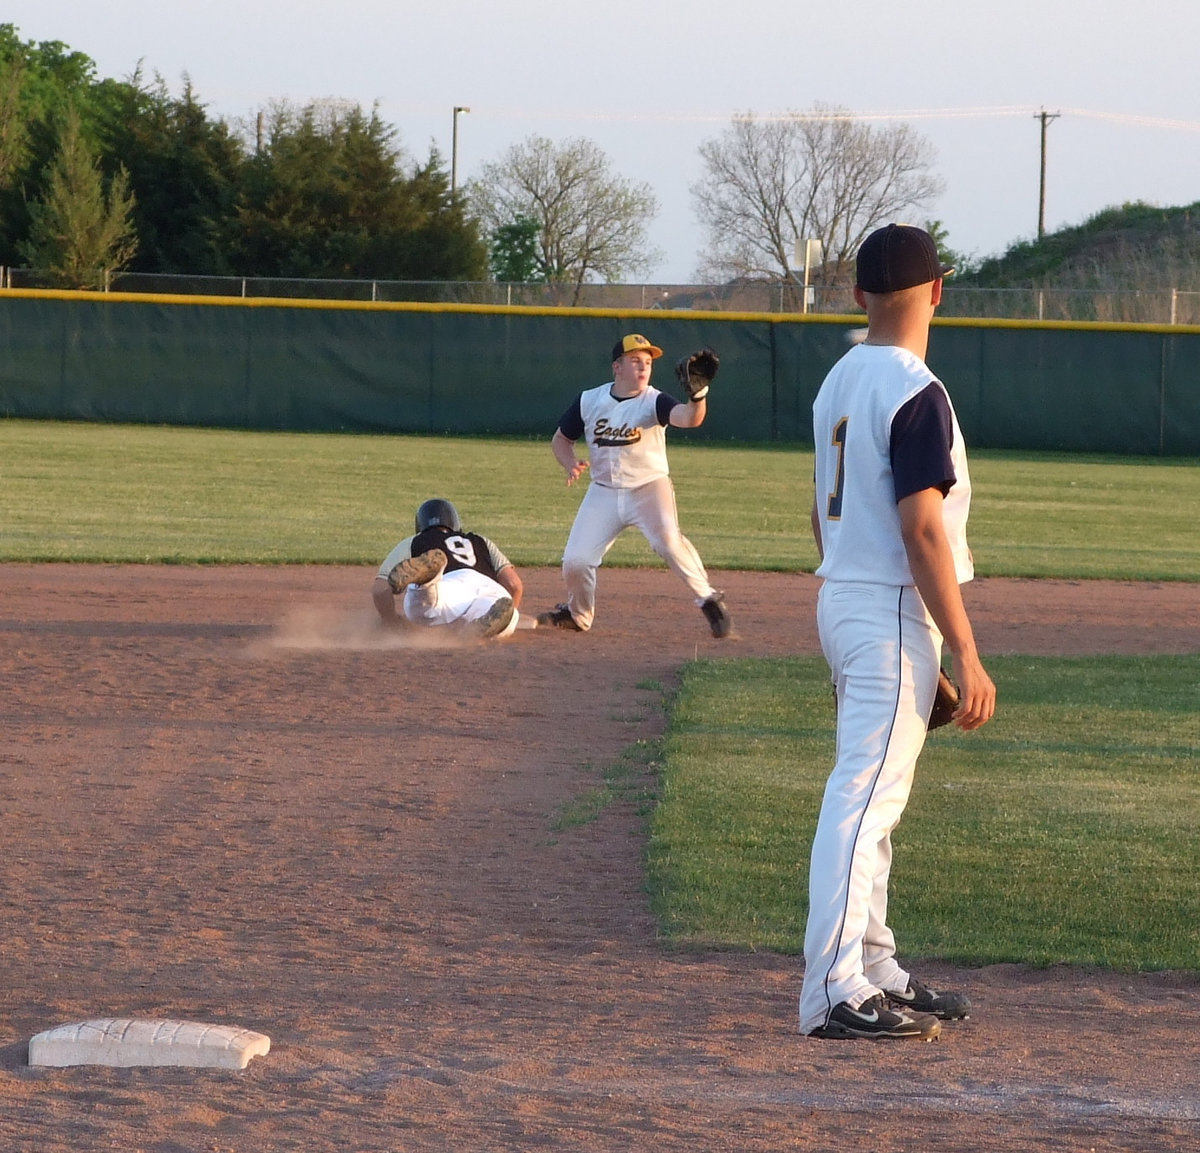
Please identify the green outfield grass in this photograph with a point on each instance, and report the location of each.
(122, 493)
(1063, 831)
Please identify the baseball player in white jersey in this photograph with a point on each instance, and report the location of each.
(889, 517)
(444, 575)
(624, 424)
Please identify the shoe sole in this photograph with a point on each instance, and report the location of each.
(496, 619)
(418, 570)
(836, 1032)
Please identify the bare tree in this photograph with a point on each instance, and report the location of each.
(771, 182)
(591, 222)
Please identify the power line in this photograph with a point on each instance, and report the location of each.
(967, 113)
(1140, 121)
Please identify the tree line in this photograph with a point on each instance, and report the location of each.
(98, 175)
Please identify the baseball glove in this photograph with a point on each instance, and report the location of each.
(945, 701)
(695, 372)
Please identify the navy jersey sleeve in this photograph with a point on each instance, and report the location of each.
(922, 435)
(663, 406)
(570, 424)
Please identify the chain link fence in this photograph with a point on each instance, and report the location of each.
(1162, 306)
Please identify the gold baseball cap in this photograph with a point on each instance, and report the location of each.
(635, 342)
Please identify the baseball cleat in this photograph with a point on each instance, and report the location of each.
(558, 617)
(495, 620)
(417, 570)
(716, 615)
(874, 1021)
(921, 999)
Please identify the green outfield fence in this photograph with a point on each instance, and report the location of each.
(307, 365)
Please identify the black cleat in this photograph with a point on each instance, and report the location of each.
(718, 619)
(921, 999)
(558, 617)
(874, 1021)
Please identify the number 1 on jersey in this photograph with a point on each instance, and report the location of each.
(834, 508)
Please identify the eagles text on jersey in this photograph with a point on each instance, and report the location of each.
(614, 435)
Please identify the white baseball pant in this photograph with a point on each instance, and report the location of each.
(883, 651)
(460, 595)
(604, 513)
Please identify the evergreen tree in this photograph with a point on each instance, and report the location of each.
(37, 82)
(431, 237)
(14, 132)
(80, 229)
(184, 171)
(327, 193)
(327, 196)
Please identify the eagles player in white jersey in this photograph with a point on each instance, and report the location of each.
(889, 518)
(624, 424)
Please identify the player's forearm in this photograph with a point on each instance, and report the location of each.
(932, 565)
(690, 414)
(933, 572)
(384, 599)
(511, 580)
(564, 452)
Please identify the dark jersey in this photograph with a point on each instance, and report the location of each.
(462, 549)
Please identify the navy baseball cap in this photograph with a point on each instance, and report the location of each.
(898, 256)
(635, 342)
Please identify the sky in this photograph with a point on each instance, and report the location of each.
(650, 81)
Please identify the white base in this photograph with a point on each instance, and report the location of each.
(126, 1042)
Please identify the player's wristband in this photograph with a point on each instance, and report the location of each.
(699, 395)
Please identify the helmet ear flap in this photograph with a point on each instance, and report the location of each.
(437, 512)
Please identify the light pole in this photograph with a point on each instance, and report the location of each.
(454, 150)
(813, 254)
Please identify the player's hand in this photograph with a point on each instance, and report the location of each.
(977, 693)
(576, 471)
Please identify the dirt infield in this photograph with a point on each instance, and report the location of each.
(229, 797)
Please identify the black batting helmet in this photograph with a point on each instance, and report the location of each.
(438, 512)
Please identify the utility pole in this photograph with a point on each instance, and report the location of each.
(1045, 117)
